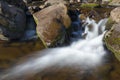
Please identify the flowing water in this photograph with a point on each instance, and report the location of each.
(86, 53)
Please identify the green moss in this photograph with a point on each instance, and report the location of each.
(44, 43)
(109, 24)
(116, 52)
(36, 21)
(90, 5)
(111, 0)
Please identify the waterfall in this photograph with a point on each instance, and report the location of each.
(86, 53)
(92, 29)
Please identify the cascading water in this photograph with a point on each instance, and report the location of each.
(87, 53)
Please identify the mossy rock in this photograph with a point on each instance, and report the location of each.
(112, 40)
(116, 52)
(109, 24)
(89, 5)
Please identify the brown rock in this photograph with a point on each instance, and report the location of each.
(51, 23)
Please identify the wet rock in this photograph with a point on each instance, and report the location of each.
(109, 24)
(75, 30)
(51, 23)
(73, 14)
(12, 21)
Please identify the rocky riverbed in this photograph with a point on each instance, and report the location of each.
(27, 26)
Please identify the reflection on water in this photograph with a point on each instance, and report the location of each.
(11, 52)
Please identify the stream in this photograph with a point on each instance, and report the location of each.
(86, 54)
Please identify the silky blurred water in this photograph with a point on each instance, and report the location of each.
(86, 53)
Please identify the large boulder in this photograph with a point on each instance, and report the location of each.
(112, 37)
(51, 23)
(12, 21)
(112, 40)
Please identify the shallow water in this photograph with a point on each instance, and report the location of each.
(86, 56)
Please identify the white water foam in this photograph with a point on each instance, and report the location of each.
(86, 53)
